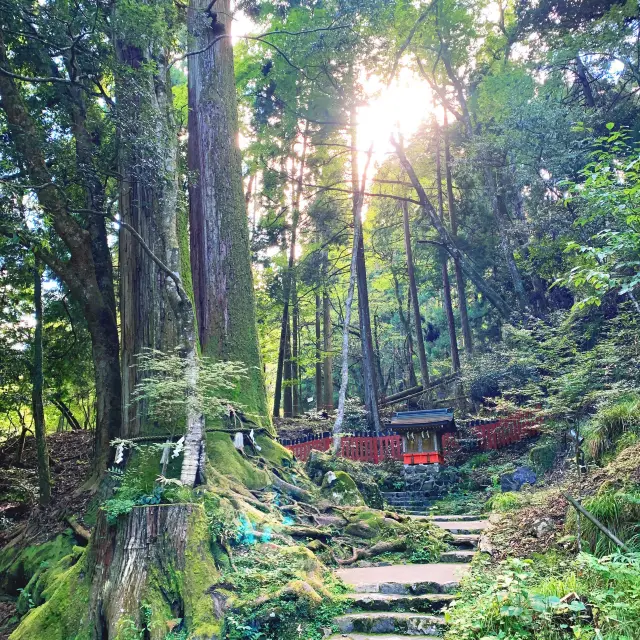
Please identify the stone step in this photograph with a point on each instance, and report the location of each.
(383, 622)
(465, 540)
(427, 603)
(378, 636)
(411, 579)
(463, 518)
(457, 556)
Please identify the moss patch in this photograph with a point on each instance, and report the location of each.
(224, 457)
(200, 574)
(18, 566)
(273, 452)
(65, 612)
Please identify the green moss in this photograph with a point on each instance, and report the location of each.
(342, 490)
(65, 613)
(18, 566)
(225, 458)
(200, 574)
(274, 452)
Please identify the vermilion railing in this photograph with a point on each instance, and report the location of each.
(490, 434)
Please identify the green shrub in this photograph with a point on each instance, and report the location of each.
(504, 502)
(610, 423)
(549, 598)
(542, 456)
(616, 509)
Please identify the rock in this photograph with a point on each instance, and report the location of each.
(542, 527)
(340, 488)
(514, 481)
(319, 463)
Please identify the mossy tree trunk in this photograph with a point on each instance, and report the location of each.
(152, 567)
(220, 259)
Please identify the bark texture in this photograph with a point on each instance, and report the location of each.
(220, 260)
(157, 556)
(149, 203)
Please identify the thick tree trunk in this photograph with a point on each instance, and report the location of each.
(422, 354)
(220, 259)
(446, 287)
(368, 367)
(44, 478)
(138, 561)
(149, 203)
(327, 365)
(453, 221)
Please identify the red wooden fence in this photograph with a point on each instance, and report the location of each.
(491, 434)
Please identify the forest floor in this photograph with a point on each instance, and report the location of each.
(532, 523)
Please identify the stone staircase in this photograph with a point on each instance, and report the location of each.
(405, 601)
(414, 502)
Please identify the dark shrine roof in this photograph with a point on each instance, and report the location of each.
(432, 419)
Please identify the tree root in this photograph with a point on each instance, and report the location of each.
(301, 531)
(375, 550)
(80, 531)
(302, 495)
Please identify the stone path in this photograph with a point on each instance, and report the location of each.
(403, 601)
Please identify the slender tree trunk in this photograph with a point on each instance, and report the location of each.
(344, 368)
(445, 237)
(44, 478)
(327, 365)
(220, 258)
(377, 350)
(287, 375)
(502, 223)
(581, 72)
(368, 367)
(422, 354)
(295, 348)
(453, 220)
(85, 272)
(446, 287)
(318, 363)
(66, 413)
(406, 325)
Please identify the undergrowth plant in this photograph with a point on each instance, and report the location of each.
(550, 597)
(611, 422)
(619, 510)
